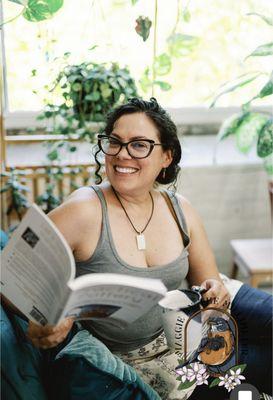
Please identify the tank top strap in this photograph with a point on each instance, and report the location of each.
(180, 217)
(105, 221)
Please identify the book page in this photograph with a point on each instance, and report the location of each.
(119, 298)
(37, 263)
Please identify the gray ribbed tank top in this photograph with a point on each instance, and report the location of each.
(106, 259)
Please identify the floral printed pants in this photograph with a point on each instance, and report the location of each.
(156, 364)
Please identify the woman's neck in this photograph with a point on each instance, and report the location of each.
(135, 199)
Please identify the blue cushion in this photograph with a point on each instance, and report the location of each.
(85, 368)
(80, 368)
(3, 239)
(75, 378)
(20, 362)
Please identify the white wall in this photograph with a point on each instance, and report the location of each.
(233, 201)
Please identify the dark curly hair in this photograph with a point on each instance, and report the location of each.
(167, 134)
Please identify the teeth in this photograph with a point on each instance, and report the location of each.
(125, 170)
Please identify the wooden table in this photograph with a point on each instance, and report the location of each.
(253, 257)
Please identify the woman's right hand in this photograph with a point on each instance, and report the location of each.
(49, 336)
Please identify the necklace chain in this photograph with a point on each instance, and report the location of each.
(138, 232)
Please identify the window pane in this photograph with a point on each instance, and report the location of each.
(226, 36)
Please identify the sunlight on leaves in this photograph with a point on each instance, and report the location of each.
(39, 10)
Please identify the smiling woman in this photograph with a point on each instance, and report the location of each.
(138, 230)
(127, 225)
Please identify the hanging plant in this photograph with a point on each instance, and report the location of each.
(178, 45)
(89, 91)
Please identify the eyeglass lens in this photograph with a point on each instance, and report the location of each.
(136, 148)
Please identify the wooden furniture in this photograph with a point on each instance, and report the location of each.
(253, 257)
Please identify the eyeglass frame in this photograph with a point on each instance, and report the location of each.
(125, 144)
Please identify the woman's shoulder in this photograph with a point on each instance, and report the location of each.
(77, 214)
(184, 203)
(190, 213)
(78, 203)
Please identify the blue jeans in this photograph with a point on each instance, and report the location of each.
(252, 310)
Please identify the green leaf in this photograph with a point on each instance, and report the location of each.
(214, 382)
(22, 187)
(241, 366)
(5, 188)
(163, 64)
(268, 20)
(76, 87)
(134, 2)
(186, 385)
(122, 82)
(268, 165)
(265, 140)
(233, 87)
(95, 96)
(145, 80)
(248, 131)
(106, 92)
(186, 16)
(262, 51)
(230, 126)
(39, 10)
(165, 86)
(267, 90)
(143, 26)
(93, 47)
(53, 155)
(180, 45)
(22, 2)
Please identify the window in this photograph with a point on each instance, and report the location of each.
(225, 36)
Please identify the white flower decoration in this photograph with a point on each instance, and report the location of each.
(196, 371)
(230, 385)
(183, 372)
(235, 375)
(201, 379)
(198, 368)
(228, 382)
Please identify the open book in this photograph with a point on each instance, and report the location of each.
(38, 277)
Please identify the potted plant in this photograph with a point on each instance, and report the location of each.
(88, 92)
(15, 190)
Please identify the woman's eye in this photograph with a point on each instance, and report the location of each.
(113, 142)
(139, 145)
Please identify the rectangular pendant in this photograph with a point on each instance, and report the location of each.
(141, 245)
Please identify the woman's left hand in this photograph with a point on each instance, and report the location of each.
(217, 295)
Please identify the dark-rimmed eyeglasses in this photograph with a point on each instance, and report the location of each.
(136, 148)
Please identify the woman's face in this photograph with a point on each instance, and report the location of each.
(127, 174)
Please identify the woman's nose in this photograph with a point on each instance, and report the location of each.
(123, 154)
